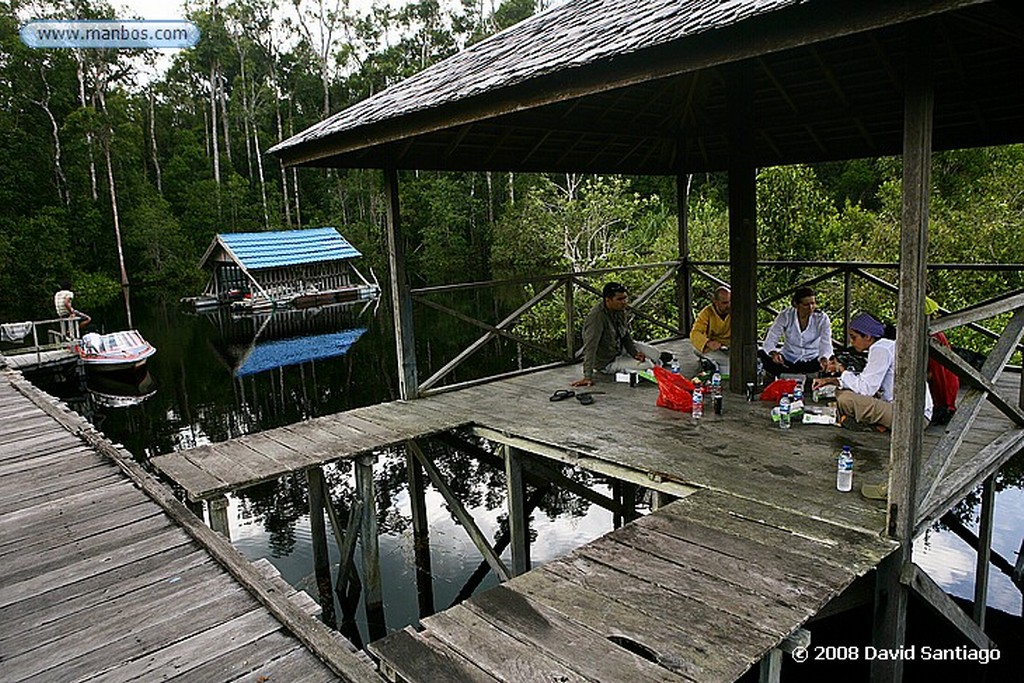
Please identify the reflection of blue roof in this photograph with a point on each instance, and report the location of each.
(256, 250)
(283, 352)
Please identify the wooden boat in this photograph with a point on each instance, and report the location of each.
(114, 351)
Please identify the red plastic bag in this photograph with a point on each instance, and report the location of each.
(774, 391)
(674, 391)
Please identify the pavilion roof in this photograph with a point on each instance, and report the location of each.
(641, 86)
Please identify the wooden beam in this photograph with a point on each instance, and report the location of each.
(742, 225)
(988, 495)
(978, 313)
(475, 346)
(684, 281)
(401, 301)
(518, 520)
(373, 598)
(915, 578)
(486, 326)
(644, 478)
(541, 474)
(890, 618)
(420, 536)
(949, 358)
(957, 484)
(457, 509)
(217, 508)
(318, 537)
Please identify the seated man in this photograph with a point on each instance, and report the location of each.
(807, 335)
(607, 345)
(866, 397)
(713, 327)
(62, 302)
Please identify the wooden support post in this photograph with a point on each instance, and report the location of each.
(742, 227)
(988, 500)
(346, 542)
(420, 536)
(218, 511)
(684, 280)
(660, 499)
(570, 320)
(372, 595)
(891, 595)
(460, 513)
(771, 665)
(518, 522)
(847, 306)
(401, 300)
(318, 535)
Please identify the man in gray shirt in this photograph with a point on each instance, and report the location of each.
(607, 345)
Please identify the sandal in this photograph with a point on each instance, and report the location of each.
(562, 394)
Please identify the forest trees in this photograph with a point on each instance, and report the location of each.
(93, 143)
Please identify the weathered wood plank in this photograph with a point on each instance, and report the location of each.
(246, 660)
(48, 533)
(108, 493)
(30, 564)
(197, 647)
(83, 569)
(501, 655)
(564, 640)
(75, 600)
(298, 666)
(612, 602)
(187, 474)
(409, 656)
(98, 647)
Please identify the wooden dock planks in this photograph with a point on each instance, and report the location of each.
(100, 582)
(641, 604)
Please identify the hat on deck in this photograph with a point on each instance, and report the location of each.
(867, 325)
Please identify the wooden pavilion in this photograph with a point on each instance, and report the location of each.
(671, 88)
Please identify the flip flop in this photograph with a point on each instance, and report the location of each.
(585, 398)
(562, 394)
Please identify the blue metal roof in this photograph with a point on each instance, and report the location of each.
(284, 352)
(258, 250)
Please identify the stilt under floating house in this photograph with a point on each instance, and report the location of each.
(296, 268)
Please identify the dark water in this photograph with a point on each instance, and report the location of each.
(215, 378)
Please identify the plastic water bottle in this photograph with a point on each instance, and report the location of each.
(716, 392)
(798, 391)
(844, 470)
(784, 418)
(673, 366)
(698, 404)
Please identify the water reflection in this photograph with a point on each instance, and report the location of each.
(426, 574)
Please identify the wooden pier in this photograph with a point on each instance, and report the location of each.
(760, 542)
(106, 576)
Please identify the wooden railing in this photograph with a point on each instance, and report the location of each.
(56, 333)
(677, 273)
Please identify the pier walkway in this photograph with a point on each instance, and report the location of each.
(105, 576)
(699, 590)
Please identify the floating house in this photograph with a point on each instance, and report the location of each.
(263, 270)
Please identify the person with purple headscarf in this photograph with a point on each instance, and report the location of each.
(866, 397)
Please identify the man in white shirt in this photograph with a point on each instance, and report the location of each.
(866, 397)
(63, 304)
(807, 338)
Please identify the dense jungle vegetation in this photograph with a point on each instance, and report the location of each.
(92, 148)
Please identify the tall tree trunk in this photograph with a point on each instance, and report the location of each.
(284, 172)
(222, 94)
(115, 214)
(213, 123)
(295, 190)
(152, 144)
(60, 180)
(263, 183)
(83, 102)
(248, 115)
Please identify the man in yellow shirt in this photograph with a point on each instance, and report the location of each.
(713, 327)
